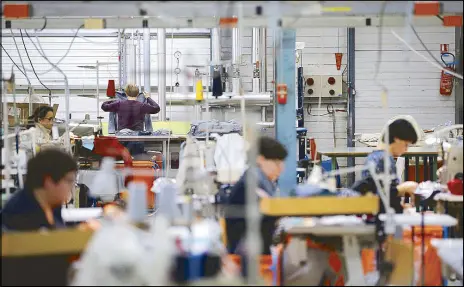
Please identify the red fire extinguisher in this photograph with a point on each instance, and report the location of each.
(282, 94)
(446, 79)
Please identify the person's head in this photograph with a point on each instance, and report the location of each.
(271, 156)
(51, 172)
(401, 133)
(132, 91)
(45, 116)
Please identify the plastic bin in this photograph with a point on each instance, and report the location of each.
(265, 266)
(432, 263)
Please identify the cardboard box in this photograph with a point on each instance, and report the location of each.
(22, 110)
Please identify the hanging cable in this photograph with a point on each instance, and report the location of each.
(32, 65)
(11, 59)
(423, 44)
(62, 58)
(425, 58)
(380, 42)
(330, 111)
(21, 59)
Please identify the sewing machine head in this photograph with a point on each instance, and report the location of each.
(453, 161)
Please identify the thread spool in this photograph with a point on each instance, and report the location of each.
(55, 133)
(137, 202)
(199, 91)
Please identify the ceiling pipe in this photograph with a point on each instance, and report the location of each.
(228, 99)
(259, 63)
(162, 73)
(236, 52)
(146, 60)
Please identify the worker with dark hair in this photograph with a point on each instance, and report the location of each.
(50, 178)
(43, 119)
(401, 134)
(270, 164)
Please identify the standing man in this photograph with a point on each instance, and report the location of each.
(131, 112)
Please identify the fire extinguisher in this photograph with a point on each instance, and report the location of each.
(446, 79)
(282, 94)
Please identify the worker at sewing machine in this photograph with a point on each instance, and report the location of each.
(270, 164)
(401, 134)
(51, 176)
(43, 119)
(133, 110)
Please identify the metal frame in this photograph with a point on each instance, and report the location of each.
(195, 9)
(315, 21)
(458, 94)
(351, 126)
(286, 114)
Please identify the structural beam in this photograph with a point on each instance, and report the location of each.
(458, 94)
(351, 126)
(162, 73)
(286, 113)
(168, 11)
(315, 21)
(146, 60)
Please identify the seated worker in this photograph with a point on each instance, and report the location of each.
(131, 115)
(270, 164)
(401, 133)
(43, 118)
(51, 175)
(131, 112)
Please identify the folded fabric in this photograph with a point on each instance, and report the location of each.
(308, 190)
(201, 128)
(128, 132)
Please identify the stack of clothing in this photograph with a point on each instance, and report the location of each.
(129, 132)
(201, 128)
(308, 190)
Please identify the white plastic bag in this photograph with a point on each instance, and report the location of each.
(230, 157)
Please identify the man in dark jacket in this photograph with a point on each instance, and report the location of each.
(270, 164)
(50, 178)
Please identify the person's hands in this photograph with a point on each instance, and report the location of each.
(146, 95)
(72, 135)
(407, 188)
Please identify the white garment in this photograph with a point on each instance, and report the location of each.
(43, 139)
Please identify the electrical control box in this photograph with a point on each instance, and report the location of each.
(323, 86)
(331, 86)
(312, 86)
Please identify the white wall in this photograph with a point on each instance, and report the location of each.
(413, 86)
(319, 59)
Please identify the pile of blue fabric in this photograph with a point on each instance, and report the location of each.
(308, 190)
(200, 129)
(128, 132)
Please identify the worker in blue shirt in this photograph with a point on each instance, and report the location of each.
(269, 164)
(51, 176)
(401, 134)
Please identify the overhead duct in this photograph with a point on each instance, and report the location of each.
(259, 63)
(216, 46)
(162, 72)
(146, 60)
(132, 62)
(139, 59)
(236, 51)
(228, 99)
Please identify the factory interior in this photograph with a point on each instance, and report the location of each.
(232, 143)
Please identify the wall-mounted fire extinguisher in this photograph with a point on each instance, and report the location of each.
(282, 94)
(446, 79)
